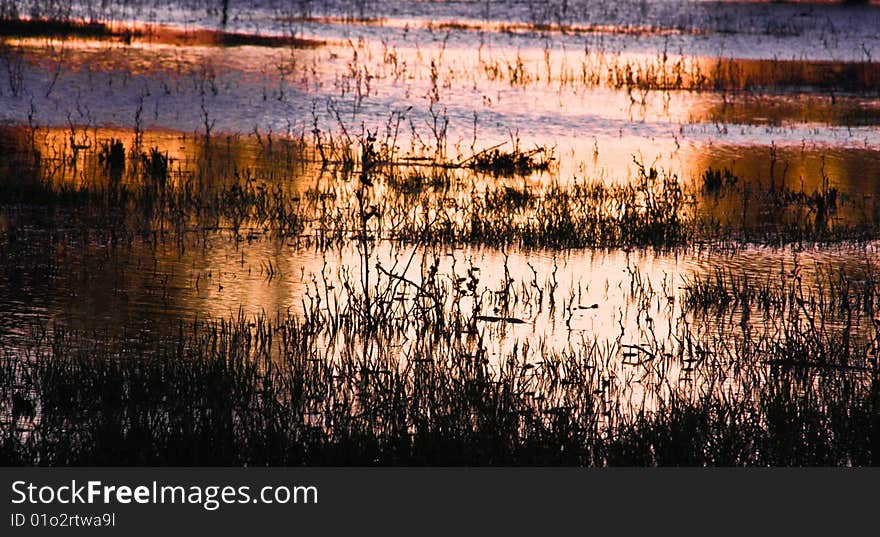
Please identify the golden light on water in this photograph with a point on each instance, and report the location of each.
(389, 116)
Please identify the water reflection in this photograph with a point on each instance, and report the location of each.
(772, 130)
(505, 89)
(88, 281)
(619, 301)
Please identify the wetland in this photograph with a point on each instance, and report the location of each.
(439, 233)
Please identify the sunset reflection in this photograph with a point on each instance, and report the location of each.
(423, 221)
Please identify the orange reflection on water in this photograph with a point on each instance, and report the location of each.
(599, 296)
(74, 156)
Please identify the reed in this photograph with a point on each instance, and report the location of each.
(415, 384)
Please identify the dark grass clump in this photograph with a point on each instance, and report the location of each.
(514, 162)
(346, 383)
(112, 155)
(415, 181)
(832, 305)
(716, 180)
(652, 211)
(721, 291)
(212, 396)
(790, 425)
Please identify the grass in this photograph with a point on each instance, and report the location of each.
(144, 192)
(714, 181)
(385, 368)
(515, 162)
(414, 181)
(419, 201)
(650, 212)
(381, 366)
(256, 391)
(840, 297)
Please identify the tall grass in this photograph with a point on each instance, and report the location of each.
(416, 201)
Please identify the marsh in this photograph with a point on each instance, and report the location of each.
(405, 233)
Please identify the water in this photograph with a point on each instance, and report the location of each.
(781, 94)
